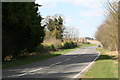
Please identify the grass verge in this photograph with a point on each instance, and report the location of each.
(39, 57)
(104, 67)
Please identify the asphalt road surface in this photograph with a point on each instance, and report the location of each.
(70, 65)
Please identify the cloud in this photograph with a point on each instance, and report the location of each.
(91, 13)
(93, 9)
(93, 5)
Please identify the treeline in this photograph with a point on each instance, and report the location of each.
(107, 32)
(25, 31)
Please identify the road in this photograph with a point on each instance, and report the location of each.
(70, 65)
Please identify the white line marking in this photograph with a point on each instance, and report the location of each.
(55, 64)
(17, 75)
(58, 63)
(67, 59)
(25, 73)
(52, 65)
(22, 74)
(74, 56)
(87, 66)
(35, 70)
(84, 51)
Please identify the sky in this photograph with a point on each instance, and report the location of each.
(84, 15)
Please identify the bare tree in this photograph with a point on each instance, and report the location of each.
(107, 33)
(71, 33)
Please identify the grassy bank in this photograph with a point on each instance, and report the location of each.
(104, 67)
(39, 57)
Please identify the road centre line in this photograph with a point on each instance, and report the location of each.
(55, 64)
(17, 75)
(58, 63)
(35, 70)
(21, 74)
(25, 73)
(67, 59)
(74, 56)
(84, 51)
(81, 53)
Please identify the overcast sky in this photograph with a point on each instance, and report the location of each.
(84, 15)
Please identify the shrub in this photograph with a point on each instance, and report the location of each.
(45, 47)
(87, 43)
(66, 45)
(49, 47)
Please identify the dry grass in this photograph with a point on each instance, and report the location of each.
(55, 42)
(113, 53)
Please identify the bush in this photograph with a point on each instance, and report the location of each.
(50, 47)
(87, 43)
(66, 45)
(45, 47)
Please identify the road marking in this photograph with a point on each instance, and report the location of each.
(67, 59)
(87, 66)
(55, 64)
(35, 70)
(58, 63)
(84, 51)
(25, 73)
(21, 74)
(17, 75)
(74, 56)
(52, 65)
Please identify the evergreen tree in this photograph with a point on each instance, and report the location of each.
(22, 30)
(55, 26)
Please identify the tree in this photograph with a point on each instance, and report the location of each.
(54, 27)
(71, 33)
(107, 33)
(22, 30)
